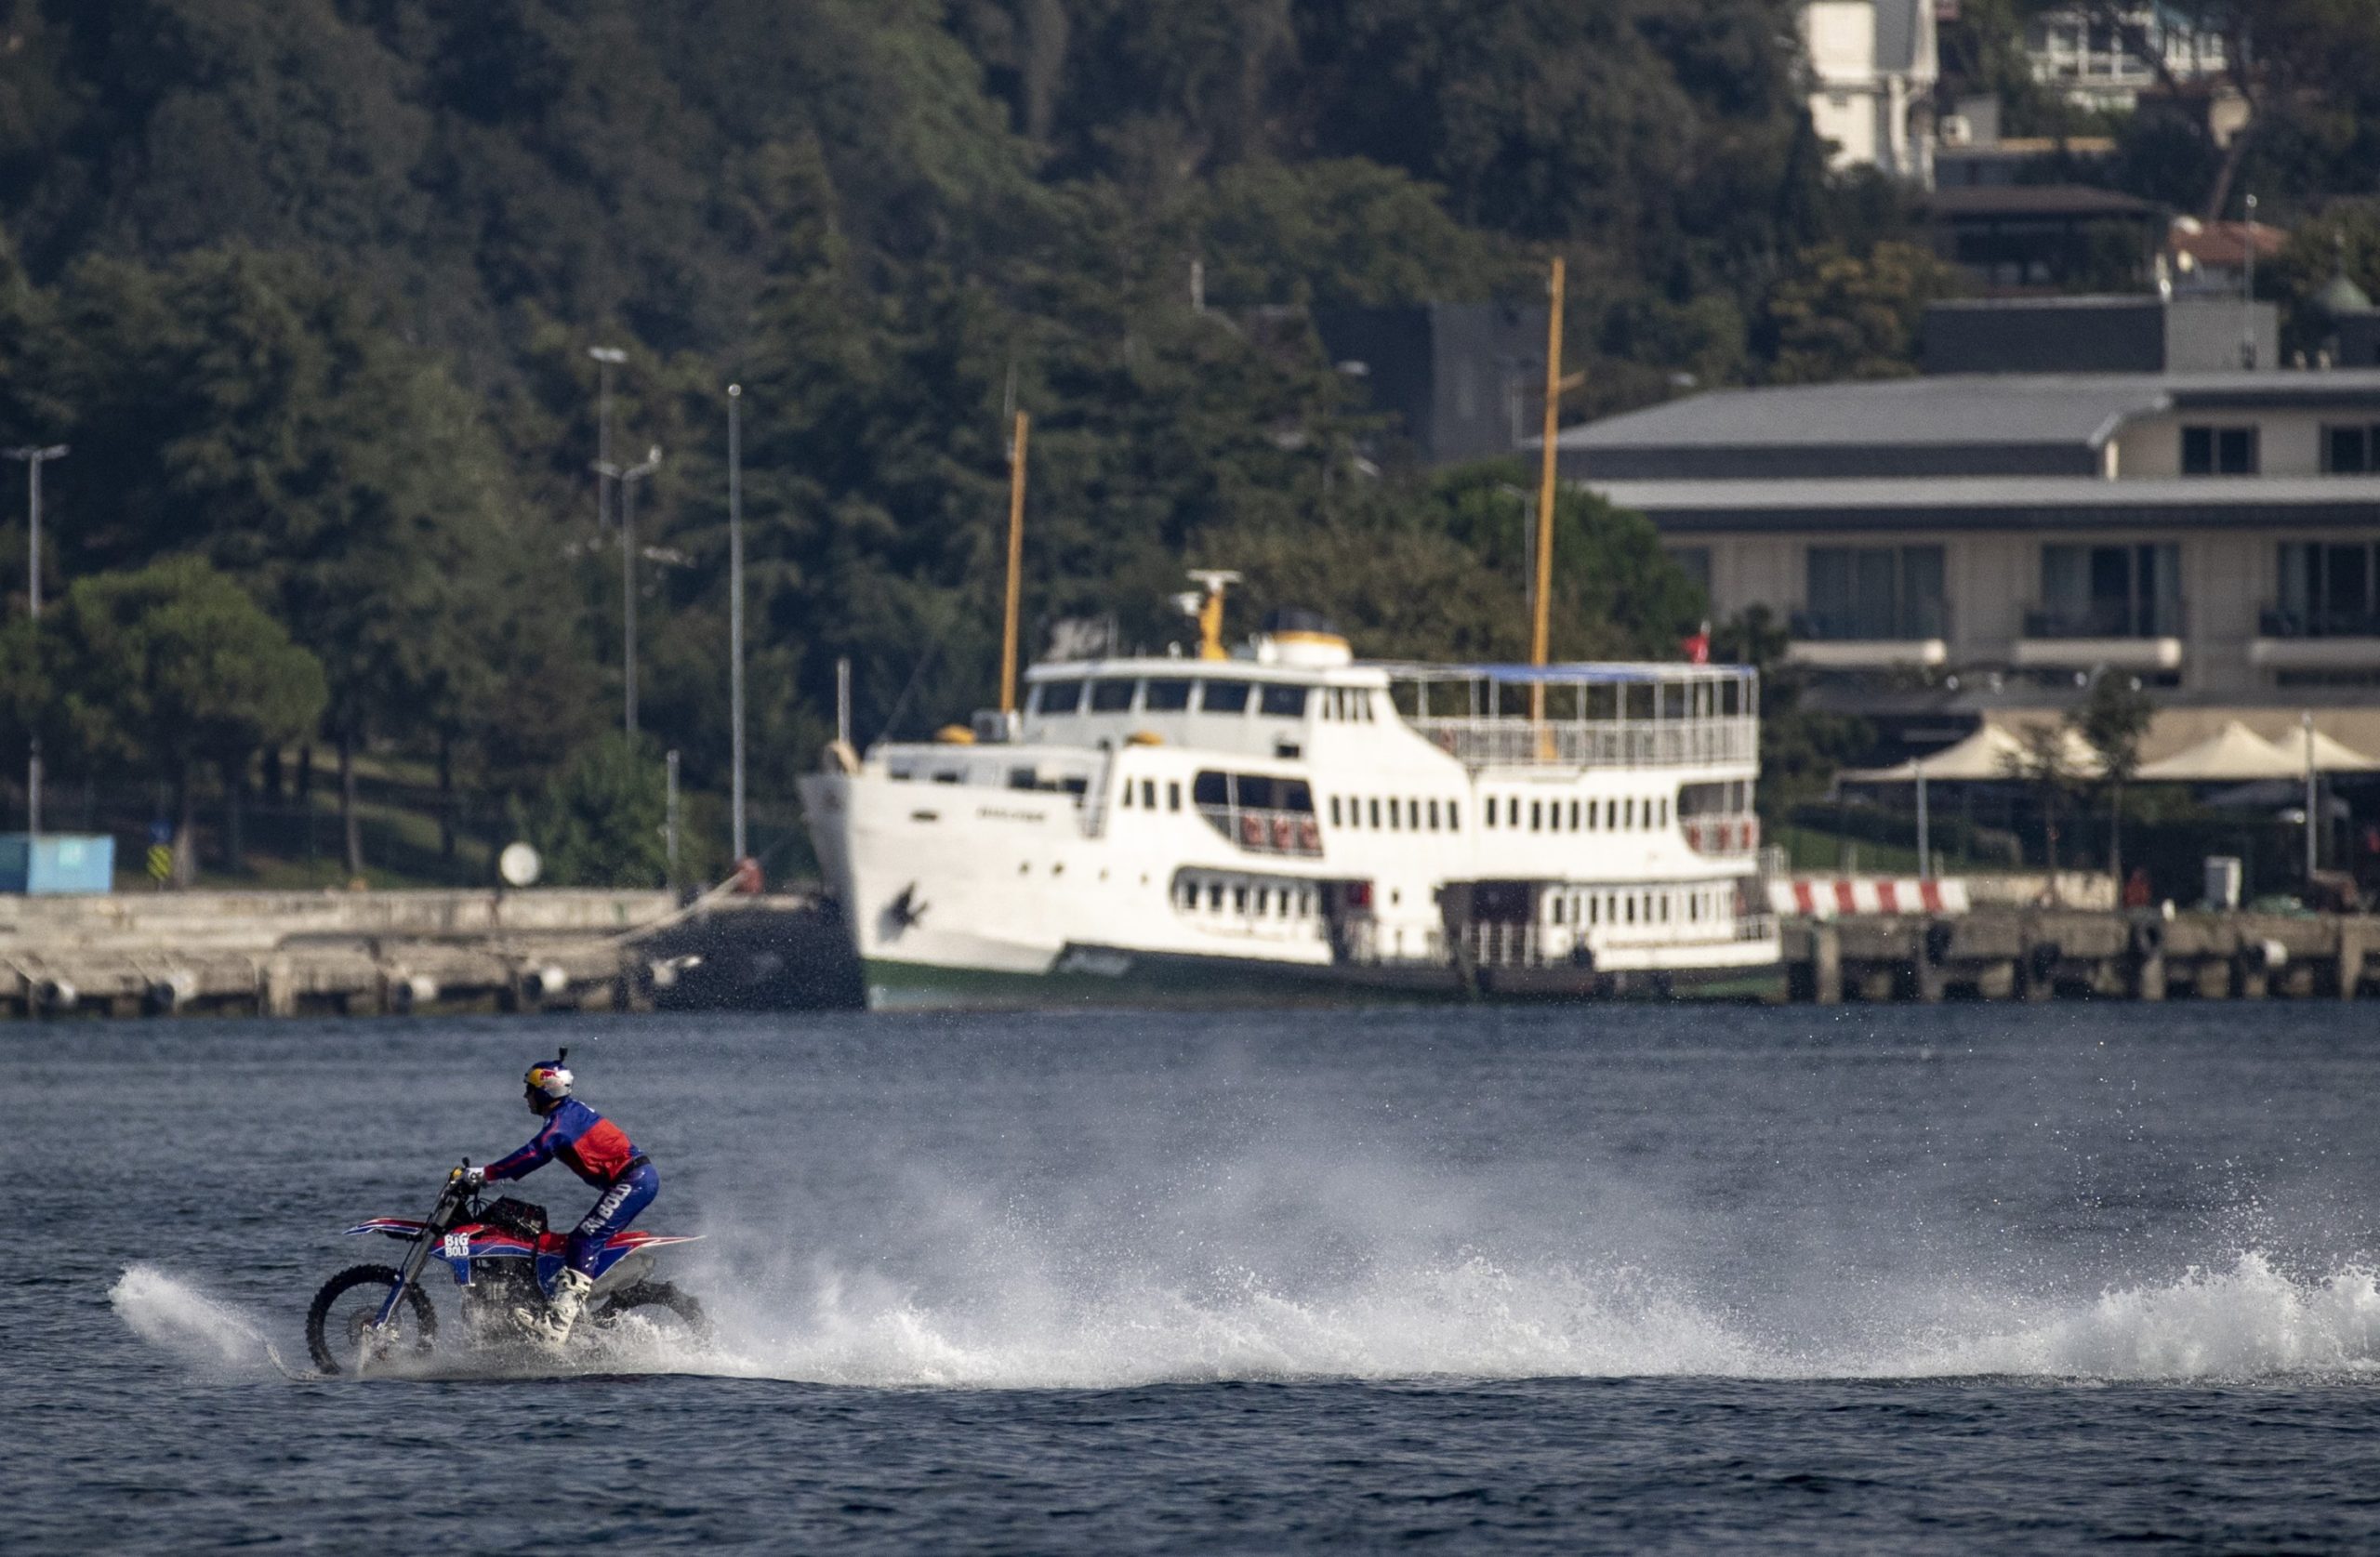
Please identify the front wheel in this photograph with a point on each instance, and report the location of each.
(339, 1325)
(652, 1296)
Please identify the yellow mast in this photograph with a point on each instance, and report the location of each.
(1015, 565)
(1538, 631)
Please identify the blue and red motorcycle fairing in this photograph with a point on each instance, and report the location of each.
(503, 1260)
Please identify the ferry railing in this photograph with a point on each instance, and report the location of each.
(1262, 830)
(1594, 744)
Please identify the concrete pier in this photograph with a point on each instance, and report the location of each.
(286, 954)
(2043, 954)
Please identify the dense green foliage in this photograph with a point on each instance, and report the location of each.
(308, 286)
(601, 819)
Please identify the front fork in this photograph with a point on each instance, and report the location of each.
(433, 1227)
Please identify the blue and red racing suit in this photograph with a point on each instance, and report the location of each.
(599, 1152)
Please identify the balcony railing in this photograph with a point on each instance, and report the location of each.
(1834, 627)
(2288, 622)
(2106, 619)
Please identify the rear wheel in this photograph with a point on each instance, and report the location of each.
(339, 1327)
(674, 1313)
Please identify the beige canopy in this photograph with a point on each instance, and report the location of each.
(1993, 754)
(2330, 756)
(2234, 754)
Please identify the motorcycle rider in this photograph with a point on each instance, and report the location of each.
(599, 1152)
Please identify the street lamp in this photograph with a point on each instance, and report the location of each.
(607, 357)
(628, 480)
(735, 613)
(33, 459)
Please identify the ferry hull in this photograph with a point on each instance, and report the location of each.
(1111, 976)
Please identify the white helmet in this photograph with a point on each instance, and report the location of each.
(550, 1078)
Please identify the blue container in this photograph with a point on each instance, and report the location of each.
(57, 862)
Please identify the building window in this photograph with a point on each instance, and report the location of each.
(1863, 593)
(2218, 451)
(2351, 451)
(2108, 591)
(1695, 563)
(2327, 591)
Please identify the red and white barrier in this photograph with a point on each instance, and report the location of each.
(1840, 897)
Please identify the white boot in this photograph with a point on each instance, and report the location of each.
(550, 1329)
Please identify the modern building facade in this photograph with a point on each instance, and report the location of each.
(1462, 380)
(1873, 68)
(2216, 534)
(2085, 57)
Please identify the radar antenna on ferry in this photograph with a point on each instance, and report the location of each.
(1207, 610)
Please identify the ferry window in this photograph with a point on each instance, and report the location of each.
(1173, 794)
(1665, 810)
(1490, 820)
(1375, 809)
(1454, 816)
(1223, 697)
(1574, 816)
(1536, 814)
(1214, 897)
(1112, 696)
(1263, 900)
(1166, 695)
(950, 776)
(1295, 796)
(1628, 813)
(1630, 903)
(1022, 778)
(1239, 900)
(1125, 800)
(1286, 701)
(1665, 907)
(1593, 904)
(1557, 910)
(1433, 816)
(1148, 794)
(1057, 697)
(1334, 810)
(1211, 788)
(1392, 819)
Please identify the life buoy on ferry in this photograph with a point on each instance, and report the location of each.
(1309, 836)
(1282, 833)
(1251, 830)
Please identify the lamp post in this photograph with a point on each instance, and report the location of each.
(606, 358)
(34, 458)
(735, 614)
(628, 479)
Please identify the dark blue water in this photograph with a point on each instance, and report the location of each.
(1634, 1278)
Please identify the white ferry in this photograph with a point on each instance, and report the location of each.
(1284, 814)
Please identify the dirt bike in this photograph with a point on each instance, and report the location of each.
(503, 1258)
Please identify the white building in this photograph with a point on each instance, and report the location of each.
(2087, 59)
(1874, 68)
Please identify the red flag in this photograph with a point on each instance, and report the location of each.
(1696, 646)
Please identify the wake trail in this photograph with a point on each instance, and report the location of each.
(1471, 1318)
